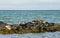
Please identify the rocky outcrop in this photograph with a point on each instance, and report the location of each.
(36, 26)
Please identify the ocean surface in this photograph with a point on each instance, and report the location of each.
(16, 16)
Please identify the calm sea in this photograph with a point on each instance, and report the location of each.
(16, 16)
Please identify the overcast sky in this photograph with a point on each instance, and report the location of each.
(29, 4)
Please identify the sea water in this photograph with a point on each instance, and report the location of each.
(32, 35)
(16, 16)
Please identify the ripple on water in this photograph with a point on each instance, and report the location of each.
(32, 35)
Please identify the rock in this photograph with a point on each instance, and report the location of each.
(35, 20)
(22, 25)
(14, 27)
(8, 27)
(2, 25)
(36, 26)
(28, 25)
(22, 22)
(38, 20)
(46, 24)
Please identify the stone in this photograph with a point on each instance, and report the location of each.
(2, 25)
(8, 27)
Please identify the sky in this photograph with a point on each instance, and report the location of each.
(29, 4)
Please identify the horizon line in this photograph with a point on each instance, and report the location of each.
(35, 9)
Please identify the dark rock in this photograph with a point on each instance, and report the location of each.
(49, 24)
(46, 24)
(2, 25)
(29, 25)
(14, 27)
